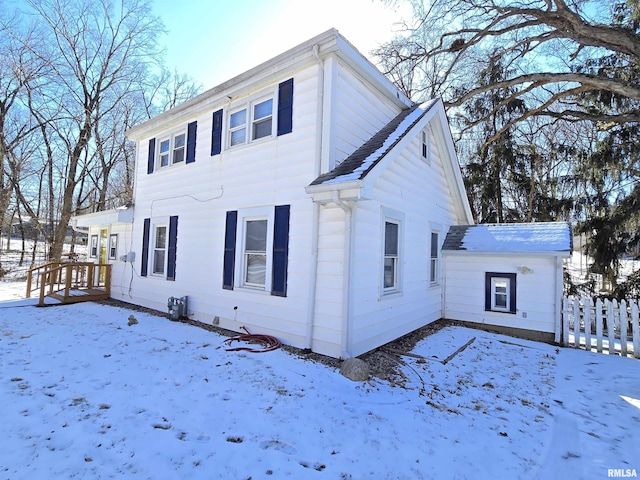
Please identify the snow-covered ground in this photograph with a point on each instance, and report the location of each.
(86, 395)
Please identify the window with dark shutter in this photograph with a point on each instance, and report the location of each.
(285, 107)
(145, 247)
(280, 251)
(229, 250)
(172, 250)
(192, 129)
(216, 133)
(500, 292)
(152, 155)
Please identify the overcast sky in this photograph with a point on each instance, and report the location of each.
(215, 40)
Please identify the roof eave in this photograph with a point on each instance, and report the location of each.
(352, 190)
(549, 253)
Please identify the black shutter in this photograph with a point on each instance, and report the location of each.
(487, 291)
(145, 247)
(285, 107)
(152, 155)
(512, 284)
(229, 250)
(216, 133)
(172, 250)
(191, 142)
(280, 251)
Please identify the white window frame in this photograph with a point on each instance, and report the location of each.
(506, 294)
(239, 127)
(495, 280)
(434, 262)
(425, 144)
(169, 153)
(113, 246)
(93, 247)
(154, 247)
(245, 216)
(251, 121)
(397, 218)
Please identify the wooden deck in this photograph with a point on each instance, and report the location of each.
(70, 282)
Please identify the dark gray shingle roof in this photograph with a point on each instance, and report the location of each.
(357, 165)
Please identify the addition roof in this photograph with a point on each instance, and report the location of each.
(357, 165)
(539, 237)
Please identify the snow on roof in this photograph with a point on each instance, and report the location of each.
(510, 237)
(359, 163)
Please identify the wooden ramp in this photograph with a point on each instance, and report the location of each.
(70, 282)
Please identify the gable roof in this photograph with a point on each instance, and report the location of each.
(539, 237)
(359, 163)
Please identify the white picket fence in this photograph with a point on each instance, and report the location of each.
(603, 326)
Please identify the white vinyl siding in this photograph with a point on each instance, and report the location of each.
(465, 290)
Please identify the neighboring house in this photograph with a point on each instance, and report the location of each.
(306, 198)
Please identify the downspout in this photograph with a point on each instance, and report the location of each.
(346, 288)
(315, 221)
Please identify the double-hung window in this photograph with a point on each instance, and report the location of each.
(425, 144)
(256, 249)
(254, 269)
(171, 150)
(252, 122)
(391, 237)
(113, 246)
(391, 274)
(262, 119)
(433, 273)
(159, 249)
(500, 292)
(238, 128)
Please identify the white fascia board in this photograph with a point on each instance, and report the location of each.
(255, 78)
(262, 75)
(116, 215)
(403, 143)
(347, 191)
(513, 253)
(451, 166)
(350, 54)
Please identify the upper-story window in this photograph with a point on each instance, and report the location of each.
(171, 150)
(238, 128)
(256, 117)
(426, 144)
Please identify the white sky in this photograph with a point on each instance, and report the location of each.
(215, 41)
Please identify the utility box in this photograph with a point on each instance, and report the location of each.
(177, 307)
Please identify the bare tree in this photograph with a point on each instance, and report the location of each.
(98, 51)
(558, 53)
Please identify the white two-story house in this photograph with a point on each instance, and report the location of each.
(307, 199)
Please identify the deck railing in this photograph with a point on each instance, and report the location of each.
(62, 279)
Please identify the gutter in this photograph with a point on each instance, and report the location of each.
(74, 226)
